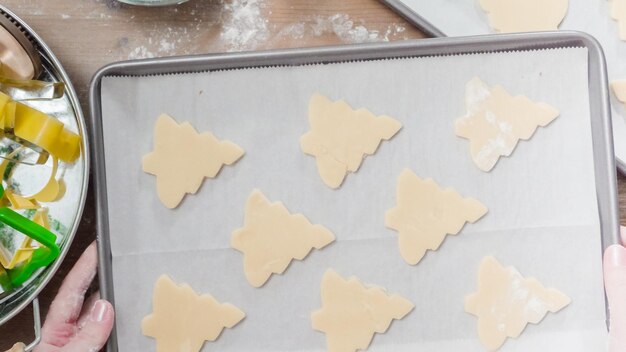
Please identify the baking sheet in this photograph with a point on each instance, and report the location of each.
(465, 17)
(543, 211)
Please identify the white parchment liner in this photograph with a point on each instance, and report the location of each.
(543, 215)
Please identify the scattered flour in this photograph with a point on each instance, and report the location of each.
(140, 52)
(244, 26)
(343, 27)
(65, 16)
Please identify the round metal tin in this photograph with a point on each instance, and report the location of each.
(66, 212)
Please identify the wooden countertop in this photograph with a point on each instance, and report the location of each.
(87, 34)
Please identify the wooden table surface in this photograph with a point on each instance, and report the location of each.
(87, 34)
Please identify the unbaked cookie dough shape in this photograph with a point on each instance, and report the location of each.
(506, 302)
(507, 16)
(618, 13)
(182, 320)
(272, 237)
(426, 213)
(619, 89)
(182, 158)
(352, 313)
(341, 137)
(495, 121)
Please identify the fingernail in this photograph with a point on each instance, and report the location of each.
(98, 311)
(616, 256)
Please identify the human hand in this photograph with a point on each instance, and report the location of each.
(72, 326)
(615, 283)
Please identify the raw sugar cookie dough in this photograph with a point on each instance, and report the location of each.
(341, 137)
(495, 121)
(618, 13)
(524, 15)
(426, 213)
(352, 313)
(506, 302)
(619, 89)
(182, 320)
(272, 237)
(182, 158)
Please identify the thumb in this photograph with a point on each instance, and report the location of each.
(615, 283)
(96, 331)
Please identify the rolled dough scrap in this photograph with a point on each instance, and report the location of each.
(525, 15)
(272, 237)
(495, 121)
(182, 320)
(18, 347)
(618, 13)
(182, 158)
(341, 137)
(426, 213)
(352, 313)
(619, 89)
(506, 302)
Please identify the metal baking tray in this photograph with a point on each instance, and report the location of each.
(605, 175)
(431, 30)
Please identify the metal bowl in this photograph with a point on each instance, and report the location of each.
(68, 210)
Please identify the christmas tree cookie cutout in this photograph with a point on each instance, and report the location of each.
(506, 302)
(182, 158)
(495, 121)
(619, 89)
(352, 313)
(341, 137)
(426, 213)
(525, 15)
(618, 13)
(182, 320)
(272, 237)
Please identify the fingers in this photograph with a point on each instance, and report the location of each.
(87, 307)
(615, 282)
(68, 302)
(96, 331)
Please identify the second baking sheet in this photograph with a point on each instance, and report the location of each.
(543, 211)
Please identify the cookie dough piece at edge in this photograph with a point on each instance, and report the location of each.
(507, 16)
(341, 137)
(272, 237)
(352, 313)
(506, 302)
(495, 122)
(182, 320)
(182, 158)
(618, 13)
(426, 213)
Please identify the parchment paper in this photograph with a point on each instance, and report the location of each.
(543, 215)
(465, 17)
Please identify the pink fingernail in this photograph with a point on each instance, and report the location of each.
(616, 256)
(98, 311)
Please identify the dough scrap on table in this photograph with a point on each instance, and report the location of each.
(506, 302)
(182, 158)
(507, 16)
(182, 320)
(618, 13)
(352, 313)
(272, 237)
(426, 213)
(495, 121)
(341, 137)
(18, 347)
